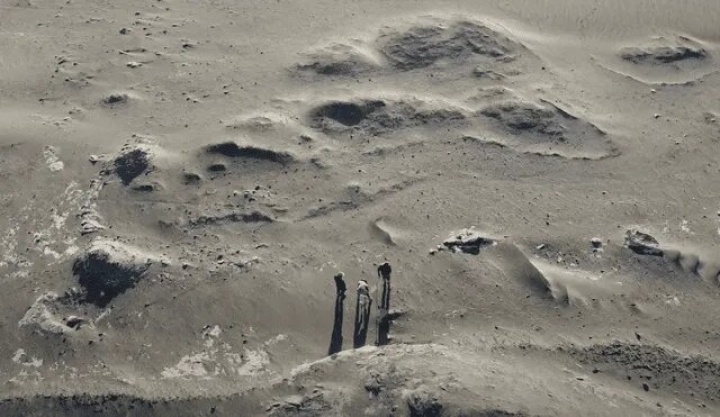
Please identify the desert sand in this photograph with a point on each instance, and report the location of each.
(180, 181)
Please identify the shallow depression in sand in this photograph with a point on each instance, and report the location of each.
(377, 117)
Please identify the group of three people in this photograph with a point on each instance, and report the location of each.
(362, 310)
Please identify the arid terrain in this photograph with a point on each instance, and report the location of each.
(180, 181)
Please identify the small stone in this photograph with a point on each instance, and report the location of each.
(217, 167)
(75, 322)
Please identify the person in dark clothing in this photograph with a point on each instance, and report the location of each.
(336, 339)
(340, 286)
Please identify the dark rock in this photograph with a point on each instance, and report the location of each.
(642, 243)
(421, 404)
(468, 241)
(217, 167)
(115, 99)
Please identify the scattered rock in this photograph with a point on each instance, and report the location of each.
(234, 217)
(667, 369)
(52, 158)
(423, 404)
(642, 243)
(468, 241)
(115, 99)
(75, 322)
(298, 405)
(94, 159)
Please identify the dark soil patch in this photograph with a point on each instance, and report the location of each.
(104, 274)
(132, 164)
(233, 150)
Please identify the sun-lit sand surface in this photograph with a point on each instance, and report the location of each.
(181, 180)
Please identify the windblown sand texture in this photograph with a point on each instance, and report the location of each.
(180, 181)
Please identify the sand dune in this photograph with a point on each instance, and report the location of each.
(182, 182)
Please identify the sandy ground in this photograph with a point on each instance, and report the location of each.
(181, 180)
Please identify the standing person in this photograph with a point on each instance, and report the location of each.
(362, 313)
(384, 272)
(336, 339)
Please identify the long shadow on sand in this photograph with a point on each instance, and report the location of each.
(362, 314)
(336, 340)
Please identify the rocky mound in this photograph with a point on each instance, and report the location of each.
(424, 45)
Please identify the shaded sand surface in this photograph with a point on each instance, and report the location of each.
(181, 180)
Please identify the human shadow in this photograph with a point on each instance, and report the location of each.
(362, 314)
(383, 325)
(336, 339)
